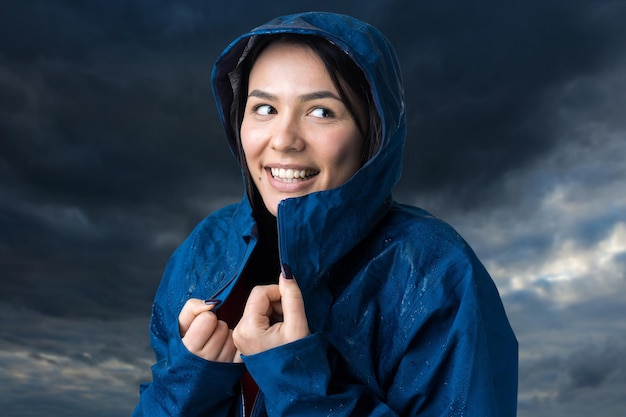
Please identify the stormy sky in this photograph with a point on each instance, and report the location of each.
(111, 152)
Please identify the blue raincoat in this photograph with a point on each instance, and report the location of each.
(405, 320)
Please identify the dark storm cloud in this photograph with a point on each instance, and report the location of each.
(572, 361)
(107, 138)
(70, 367)
(100, 132)
(590, 378)
(592, 367)
(478, 81)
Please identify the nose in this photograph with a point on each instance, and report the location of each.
(286, 135)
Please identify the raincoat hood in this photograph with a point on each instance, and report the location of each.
(315, 230)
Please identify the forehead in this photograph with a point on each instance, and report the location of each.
(284, 56)
(288, 46)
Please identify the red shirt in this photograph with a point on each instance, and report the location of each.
(230, 312)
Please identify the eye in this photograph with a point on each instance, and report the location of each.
(322, 113)
(264, 109)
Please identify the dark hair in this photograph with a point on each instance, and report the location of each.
(344, 73)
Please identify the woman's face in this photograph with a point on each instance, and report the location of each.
(297, 135)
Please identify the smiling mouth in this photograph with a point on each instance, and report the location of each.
(292, 175)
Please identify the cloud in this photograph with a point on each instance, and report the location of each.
(70, 367)
(109, 163)
(589, 379)
(557, 224)
(480, 85)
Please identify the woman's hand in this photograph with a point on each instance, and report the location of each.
(204, 335)
(274, 315)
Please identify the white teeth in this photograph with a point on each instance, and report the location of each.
(290, 175)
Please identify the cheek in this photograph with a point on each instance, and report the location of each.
(250, 146)
(345, 154)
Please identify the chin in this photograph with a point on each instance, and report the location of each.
(272, 207)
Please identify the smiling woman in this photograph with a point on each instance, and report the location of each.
(297, 135)
(390, 312)
(333, 68)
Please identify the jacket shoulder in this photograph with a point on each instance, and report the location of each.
(212, 251)
(216, 227)
(413, 227)
(427, 252)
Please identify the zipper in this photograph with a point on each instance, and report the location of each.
(280, 226)
(254, 410)
(243, 400)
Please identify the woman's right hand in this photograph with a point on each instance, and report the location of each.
(204, 335)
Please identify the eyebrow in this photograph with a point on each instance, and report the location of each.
(305, 97)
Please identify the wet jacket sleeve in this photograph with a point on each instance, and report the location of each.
(186, 385)
(460, 360)
(183, 384)
(297, 379)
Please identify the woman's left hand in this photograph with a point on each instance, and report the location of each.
(274, 315)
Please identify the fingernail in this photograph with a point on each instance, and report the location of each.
(286, 271)
(212, 302)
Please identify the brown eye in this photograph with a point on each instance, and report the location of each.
(322, 112)
(264, 110)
